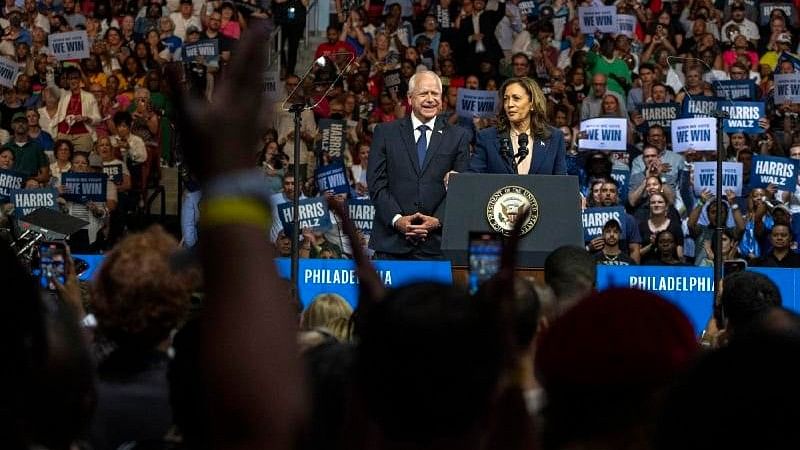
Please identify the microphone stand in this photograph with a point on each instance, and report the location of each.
(297, 108)
(719, 230)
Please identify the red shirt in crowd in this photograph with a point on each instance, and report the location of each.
(326, 49)
(74, 108)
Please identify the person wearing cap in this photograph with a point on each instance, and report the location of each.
(746, 27)
(611, 254)
(29, 157)
(184, 19)
(609, 197)
(783, 43)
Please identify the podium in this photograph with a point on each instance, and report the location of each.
(468, 198)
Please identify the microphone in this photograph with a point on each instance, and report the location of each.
(507, 152)
(522, 141)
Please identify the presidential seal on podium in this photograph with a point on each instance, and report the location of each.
(505, 207)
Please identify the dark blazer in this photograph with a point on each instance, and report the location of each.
(549, 155)
(397, 185)
(488, 21)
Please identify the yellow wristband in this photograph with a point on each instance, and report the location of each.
(220, 211)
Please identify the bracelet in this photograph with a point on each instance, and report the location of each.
(218, 211)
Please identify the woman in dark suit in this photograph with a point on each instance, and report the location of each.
(522, 120)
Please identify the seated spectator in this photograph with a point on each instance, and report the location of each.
(665, 252)
(632, 241)
(781, 254)
(730, 250)
(63, 150)
(324, 309)
(138, 300)
(657, 221)
(611, 254)
(95, 213)
(29, 157)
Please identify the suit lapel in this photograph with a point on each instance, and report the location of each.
(538, 147)
(407, 134)
(439, 128)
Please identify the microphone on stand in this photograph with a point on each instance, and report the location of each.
(507, 152)
(522, 141)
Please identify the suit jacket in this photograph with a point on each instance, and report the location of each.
(88, 106)
(488, 21)
(397, 184)
(549, 155)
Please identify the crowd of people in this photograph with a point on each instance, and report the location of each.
(569, 75)
(139, 361)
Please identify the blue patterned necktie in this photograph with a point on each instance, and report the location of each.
(422, 144)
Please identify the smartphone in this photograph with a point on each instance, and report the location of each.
(52, 262)
(484, 251)
(733, 266)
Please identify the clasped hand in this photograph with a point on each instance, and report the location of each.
(417, 226)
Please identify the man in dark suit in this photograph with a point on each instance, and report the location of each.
(408, 161)
(476, 34)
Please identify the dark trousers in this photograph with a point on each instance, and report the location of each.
(413, 255)
(291, 33)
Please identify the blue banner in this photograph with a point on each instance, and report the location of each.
(594, 219)
(781, 172)
(332, 178)
(699, 106)
(27, 201)
(474, 103)
(660, 114)
(84, 187)
(9, 180)
(338, 276)
(622, 177)
(113, 172)
(362, 213)
(735, 89)
(332, 137)
(690, 288)
(743, 117)
(314, 214)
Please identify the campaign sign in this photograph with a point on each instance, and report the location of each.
(27, 201)
(338, 276)
(474, 103)
(626, 25)
(594, 219)
(84, 187)
(113, 172)
(699, 106)
(527, 8)
(392, 81)
(314, 214)
(660, 113)
(70, 45)
(735, 89)
(690, 288)
(698, 134)
(598, 18)
(332, 178)
(604, 134)
(362, 213)
(9, 181)
(787, 88)
(743, 117)
(271, 83)
(767, 8)
(332, 141)
(781, 172)
(207, 49)
(8, 72)
(705, 177)
(622, 178)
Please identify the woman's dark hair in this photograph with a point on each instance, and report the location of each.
(538, 121)
(69, 145)
(121, 117)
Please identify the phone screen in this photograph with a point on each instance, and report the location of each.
(484, 257)
(52, 258)
(733, 266)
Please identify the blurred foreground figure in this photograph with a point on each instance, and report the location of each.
(603, 364)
